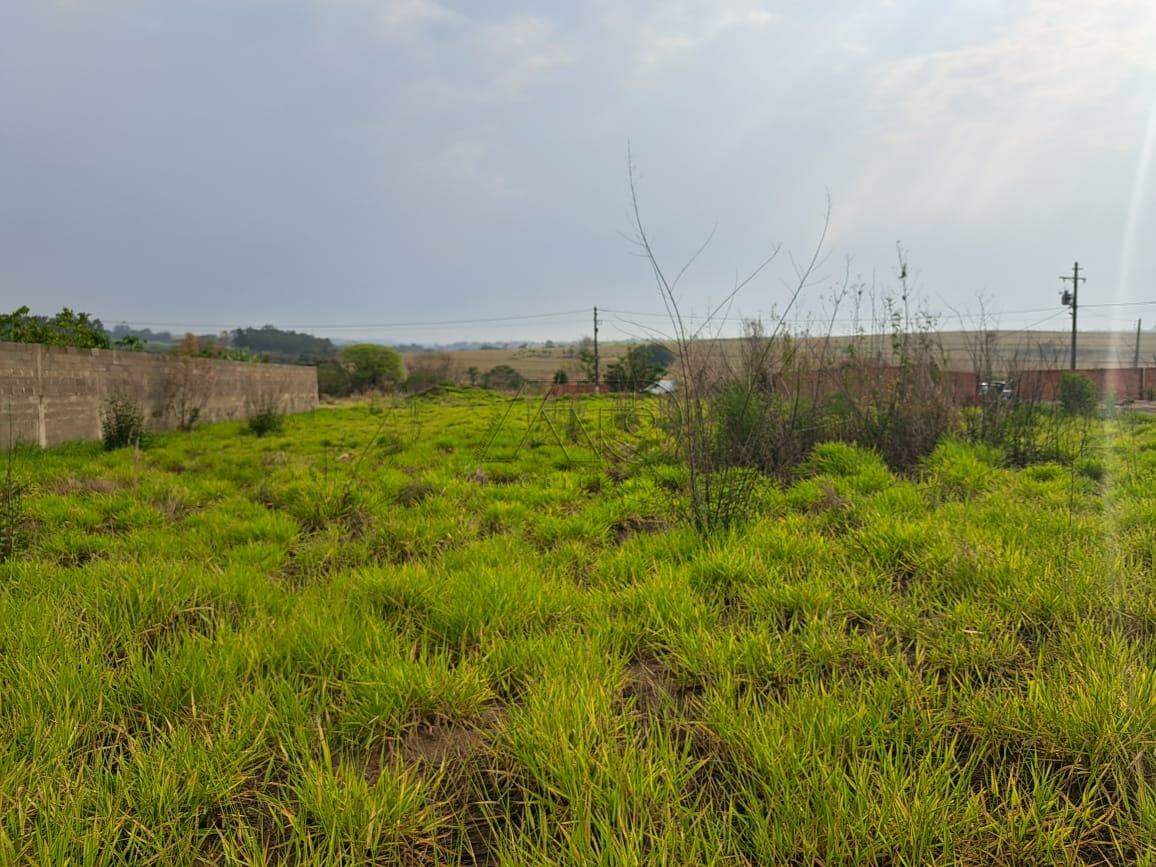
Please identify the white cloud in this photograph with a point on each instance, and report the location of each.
(404, 17)
(959, 130)
(470, 163)
(522, 52)
(677, 27)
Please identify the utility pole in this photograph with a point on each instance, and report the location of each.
(1136, 354)
(596, 348)
(1070, 299)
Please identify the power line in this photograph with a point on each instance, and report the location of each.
(583, 313)
(849, 321)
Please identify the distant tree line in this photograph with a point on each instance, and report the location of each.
(66, 328)
(284, 345)
(341, 371)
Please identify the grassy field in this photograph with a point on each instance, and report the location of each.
(363, 640)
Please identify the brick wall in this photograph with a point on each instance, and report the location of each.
(1117, 382)
(52, 394)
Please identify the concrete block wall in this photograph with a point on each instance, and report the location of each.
(52, 394)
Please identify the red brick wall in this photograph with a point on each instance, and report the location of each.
(1120, 382)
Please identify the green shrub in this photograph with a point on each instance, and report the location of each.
(265, 417)
(333, 379)
(66, 328)
(122, 422)
(413, 492)
(1091, 468)
(503, 378)
(372, 367)
(1077, 394)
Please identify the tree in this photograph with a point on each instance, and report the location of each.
(429, 370)
(473, 373)
(635, 371)
(284, 345)
(1077, 394)
(66, 328)
(372, 366)
(657, 354)
(207, 346)
(503, 377)
(334, 379)
(561, 377)
(586, 359)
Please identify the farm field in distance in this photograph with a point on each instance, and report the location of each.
(1009, 348)
(400, 634)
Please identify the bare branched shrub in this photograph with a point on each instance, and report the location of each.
(717, 414)
(428, 370)
(1014, 409)
(187, 392)
(759, 408)
(903, 408)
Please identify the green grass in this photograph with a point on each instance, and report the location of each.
(355, 641)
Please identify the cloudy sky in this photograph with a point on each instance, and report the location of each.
(361, 162)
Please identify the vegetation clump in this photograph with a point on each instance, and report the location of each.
(265, 417)
(66, 328)
(122, 422)
(502, 377)
(372, 367)
(1077, 394)
(12, 513)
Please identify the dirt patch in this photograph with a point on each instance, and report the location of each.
(71, 486)
(173, 507)
(470, 781)
(653, 689)
(203, 620)
(624, 528)
(438, 743)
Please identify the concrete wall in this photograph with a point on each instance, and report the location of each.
(52, 394)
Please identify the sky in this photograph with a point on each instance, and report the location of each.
(354, 167)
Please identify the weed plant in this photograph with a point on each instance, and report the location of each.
(265, 417)
(122, 422)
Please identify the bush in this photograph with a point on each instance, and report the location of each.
(429, 371)
(265, 417)
(122, 422)
(372, 367)
(638, 369)
(333, 380)
(1077, 394)
(503, 377)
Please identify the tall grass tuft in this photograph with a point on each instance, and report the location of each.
(12, 513)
